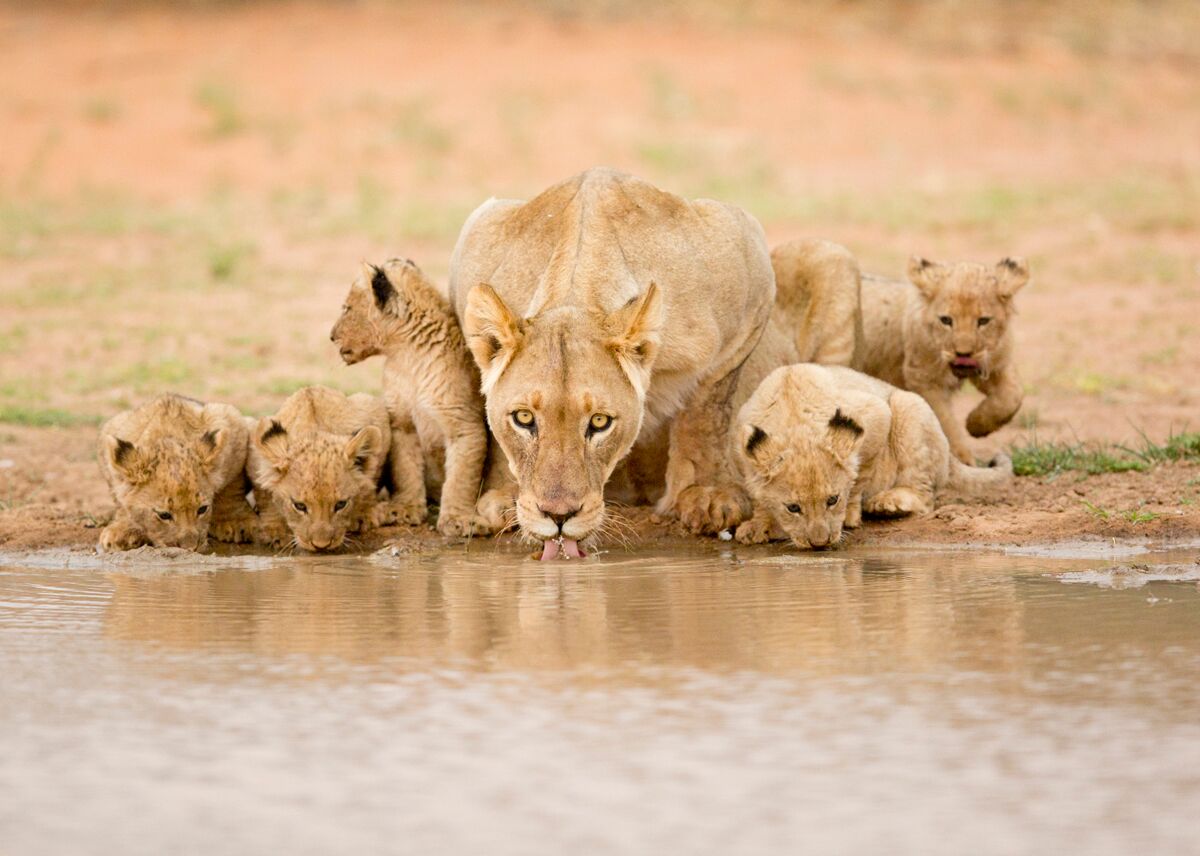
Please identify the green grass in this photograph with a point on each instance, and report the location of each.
(15, 414)
(222, 106)
(1052, 459)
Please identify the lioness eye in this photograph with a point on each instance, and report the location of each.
(947, 320)
(795, 509)
(524, 419)
(984, 320)
(299, 506)
(832, 501)
(164, 515)
(202, 510)
(599, 422)
(339, 505)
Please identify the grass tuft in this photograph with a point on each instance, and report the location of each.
(1051, 459)
(13, 414)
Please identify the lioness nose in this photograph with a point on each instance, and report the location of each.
(560, 519)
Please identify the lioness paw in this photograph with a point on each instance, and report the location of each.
(710, 510)
(897, 502)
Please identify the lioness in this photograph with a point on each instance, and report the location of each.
(819, 446)
(598, 312)
(176, 469)
(950, 323)
(315, 466)
(430, 387)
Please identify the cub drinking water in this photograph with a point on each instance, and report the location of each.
(176, 469)
(316, 465)
(819, 446)
(430, 386)
(949, 323)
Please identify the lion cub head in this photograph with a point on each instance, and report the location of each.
(966, 309)
(167, 473)
(316, 479)
(565, 392)
(798, 450)
(375, 307)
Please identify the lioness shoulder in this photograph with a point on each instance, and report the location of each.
(819, 446)
(175, 468)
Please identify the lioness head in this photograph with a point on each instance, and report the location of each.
(799, 457)
(966, 309)
(371, 311)
(565, 392)
(168, 487)
(317, 479)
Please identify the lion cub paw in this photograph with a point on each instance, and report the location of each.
(756, 530)
(118, 536)
(396, 513)
(495, 509)
(710, 510)
(462, 524)
(897, 502)
(234, 530)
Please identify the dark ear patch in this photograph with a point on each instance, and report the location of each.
(757, 436)
(382, 286)
(123, 450)
(1012, 264)
(209, 439)
(361, 461)
(273, 430)
(841, 422)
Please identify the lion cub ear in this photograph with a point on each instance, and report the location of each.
(125, 459)
(493, 332)
(927, 276)
(1011, 275)
(387, 299)
(360, 448)
(637, 334)
(271, 439)
(844, 434)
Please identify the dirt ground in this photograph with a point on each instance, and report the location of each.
(185, 194)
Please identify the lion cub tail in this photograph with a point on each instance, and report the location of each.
(977, 480)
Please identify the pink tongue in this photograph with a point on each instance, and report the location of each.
(965, 362)
(568, 549)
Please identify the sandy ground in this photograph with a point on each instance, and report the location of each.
(184, 196)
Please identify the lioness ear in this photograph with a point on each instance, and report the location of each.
(125, 459)
(927, 276)
(637, 334)
(362, 445)
(1011, 275)
(493, 332)
(845, 434)
(271, 439)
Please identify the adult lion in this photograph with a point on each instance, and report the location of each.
(597, 312)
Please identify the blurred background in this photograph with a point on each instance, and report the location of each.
(187, 189)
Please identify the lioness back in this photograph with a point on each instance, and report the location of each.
(170, 464)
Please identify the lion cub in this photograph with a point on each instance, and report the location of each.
(819, 446)
(315, 466)
(176, 469)
(430, 386)
(950, 323)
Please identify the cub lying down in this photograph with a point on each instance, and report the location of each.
(176, 468)
(820, 446)
(430, 386)
(949, 323)
(315, 466)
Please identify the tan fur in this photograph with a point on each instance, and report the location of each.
(605, 295)
(817, 300)
(820, 446)
(431, 388)
(181, 458)
(908, 345)
(321, 450)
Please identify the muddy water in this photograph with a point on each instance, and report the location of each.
(720, 702)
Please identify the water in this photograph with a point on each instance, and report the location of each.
(719, 701)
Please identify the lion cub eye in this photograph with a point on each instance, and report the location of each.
(524, 419)
(339, 505)
(983, 322)
(299, 506)
(164, 515)
(201, 511)
(795, 509)
(599, 422)
(832, 501)
(947, 320)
